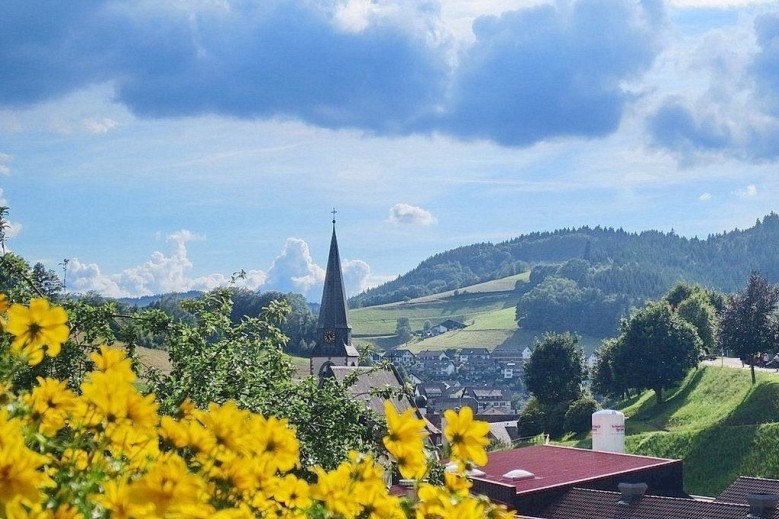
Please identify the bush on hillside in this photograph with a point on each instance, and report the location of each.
(578, 417)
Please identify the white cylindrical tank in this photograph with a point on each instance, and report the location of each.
(608, 431)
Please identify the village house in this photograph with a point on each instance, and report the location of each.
(403, 358)
(431, 355)
(435, 369)
(466, 355)
(490, 398)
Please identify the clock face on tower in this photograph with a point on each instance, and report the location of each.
(329, 336)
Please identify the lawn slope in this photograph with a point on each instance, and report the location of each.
(717, 422)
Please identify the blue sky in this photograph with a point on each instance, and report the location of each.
(163, 146)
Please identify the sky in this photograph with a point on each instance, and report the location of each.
(165, 146)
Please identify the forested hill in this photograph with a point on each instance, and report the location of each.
(641, 264)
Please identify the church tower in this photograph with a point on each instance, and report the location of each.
(334, 335)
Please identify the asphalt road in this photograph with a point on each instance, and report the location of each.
(732, 362)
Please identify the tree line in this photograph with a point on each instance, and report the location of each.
(638, 265)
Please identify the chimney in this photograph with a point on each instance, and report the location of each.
(630, 492)
(761, 506)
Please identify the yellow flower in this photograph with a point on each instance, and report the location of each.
(36, 327)
(115, 498)
(333, 489)
(275, 443)
(3, 303)
(293, 492)
(51, 402)
(467, 437)
(169, 487)
(227, 424)
(77, 457)
(404, 432)
(377, 504)
(456, 483)
(115, 361)
(20, 474)
(433, 500)
(412, 462)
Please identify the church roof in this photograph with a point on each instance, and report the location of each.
(334, 335)
(333, 311)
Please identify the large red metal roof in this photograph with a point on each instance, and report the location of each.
(554, 466)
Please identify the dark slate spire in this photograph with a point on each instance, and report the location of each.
(334, 335)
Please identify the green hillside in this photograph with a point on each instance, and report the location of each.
(717, 422)
(639, 265)
(487, 309)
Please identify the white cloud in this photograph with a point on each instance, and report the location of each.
(98, 126)
(705, 197)
(12, 229)
(410, 215)
(4, 159)
(748, 192)
(357, 276)
(294, 270)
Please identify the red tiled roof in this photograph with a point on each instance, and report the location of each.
(556, 466)
(597, 504)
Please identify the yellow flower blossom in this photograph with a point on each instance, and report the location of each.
(377, 504)
(19, 466)
(116, 499)
(115, 361)
(51, 403)
(332, 488)
(412, 463)
(457, 483)
(4, 304)
(275, 443)
(227, 424)
(169, 487)
(77, 457)
(404, 431)
(35, 327)
(467, 437)
(293, 492)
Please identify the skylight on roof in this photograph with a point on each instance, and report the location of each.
(518, 474)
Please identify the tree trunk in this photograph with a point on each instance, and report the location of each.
(752, 368)
(659, 395)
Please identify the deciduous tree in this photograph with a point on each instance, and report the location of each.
(656, 348)
(749, 324)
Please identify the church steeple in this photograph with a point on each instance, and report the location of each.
(334, 335)
(333, 312)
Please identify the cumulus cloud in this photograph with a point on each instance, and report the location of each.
(738, 114)
(294, 270)
(357, 276)
(386, 66)
(12, 229)
(552, 70)
(410, 215)
(161, 273)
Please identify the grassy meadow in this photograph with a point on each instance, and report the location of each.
(716, 421)
(487, 309)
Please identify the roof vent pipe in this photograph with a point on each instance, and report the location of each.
(761, 506)
(631, 492)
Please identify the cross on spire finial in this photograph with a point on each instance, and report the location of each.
(333, 211)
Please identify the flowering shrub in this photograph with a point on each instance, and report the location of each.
(105, 451)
